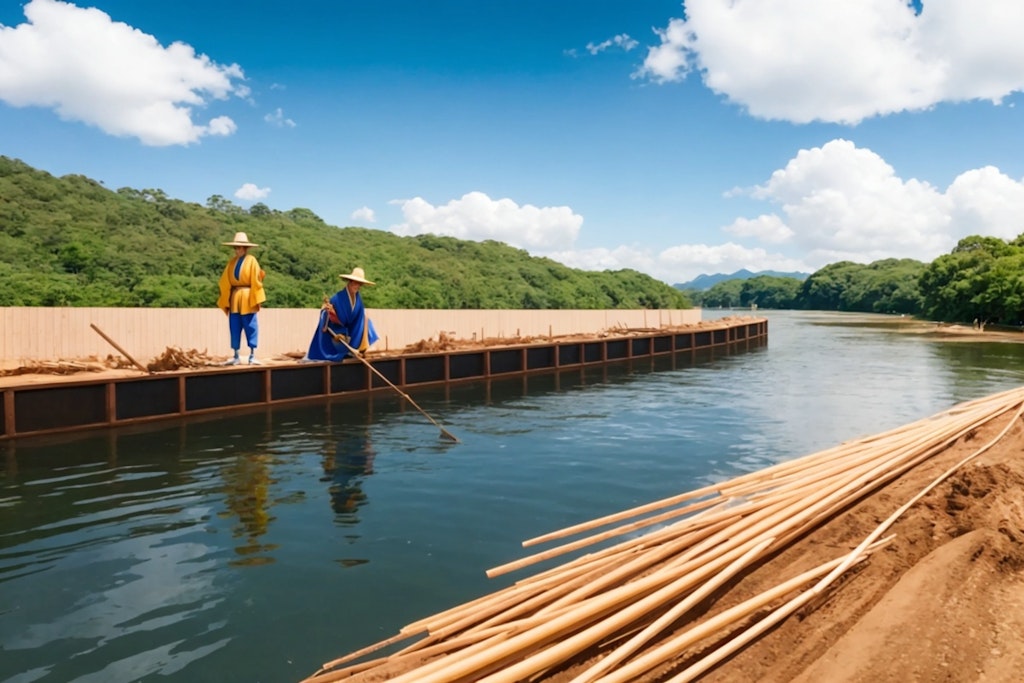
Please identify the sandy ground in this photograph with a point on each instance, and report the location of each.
(943, 602)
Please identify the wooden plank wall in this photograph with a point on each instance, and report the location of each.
(28, 334)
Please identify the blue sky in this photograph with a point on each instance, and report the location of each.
(673, 138)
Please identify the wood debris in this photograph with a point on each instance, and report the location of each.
(174, 358)
(46, 367)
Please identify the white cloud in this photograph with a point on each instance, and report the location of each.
(829, 203)
(844, 202)
(807, 60)
(478, 217)
(250, 192)
(621, 41)
(986, 202)
(222, 125)
(364, 214)
(277, 118)
(683, 262)
(769, 229)
(833, 203)
(600, 258)
(89, 68)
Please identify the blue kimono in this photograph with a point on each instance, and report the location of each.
(349, 319)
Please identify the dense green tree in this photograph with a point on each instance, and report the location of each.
(981, 279)
(71, 242)
(770, 291)
(823, 289)
(886, 286)
(725, 294)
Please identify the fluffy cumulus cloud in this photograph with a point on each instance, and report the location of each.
(843, 202)
(833, 203)
(250, 192)
(478, 217)
(985, 201)
(769, 228)
(829, 203)
(89, 68)
(364, 215)
(840, 202)
(807, 60)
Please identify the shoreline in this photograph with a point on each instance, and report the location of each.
(942, 599)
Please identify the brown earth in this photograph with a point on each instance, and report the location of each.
(944, 601)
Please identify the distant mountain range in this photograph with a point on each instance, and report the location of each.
(702, 282)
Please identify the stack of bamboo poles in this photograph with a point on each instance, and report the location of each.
(634, 603)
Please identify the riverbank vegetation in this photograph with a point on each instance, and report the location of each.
(70, 241)
(981, 280)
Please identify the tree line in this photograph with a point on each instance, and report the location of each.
(981, 279)
(69, 241)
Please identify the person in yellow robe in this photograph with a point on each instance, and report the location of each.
(241, 294)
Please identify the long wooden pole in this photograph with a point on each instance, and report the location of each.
(444, 432)
(113, 343)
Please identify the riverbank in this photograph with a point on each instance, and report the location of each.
(942, 599)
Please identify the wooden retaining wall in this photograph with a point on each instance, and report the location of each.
(92, 402)
(40, 334)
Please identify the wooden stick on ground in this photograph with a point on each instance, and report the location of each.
(113, 343)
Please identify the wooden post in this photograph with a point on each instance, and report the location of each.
(9, 412)
(111, 403)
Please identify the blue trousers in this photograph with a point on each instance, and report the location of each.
(238, 323)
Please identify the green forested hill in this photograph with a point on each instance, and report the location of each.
(70, 241)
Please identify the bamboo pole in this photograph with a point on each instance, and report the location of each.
(674, 645)
(621, 591)
(707, 662)
(675, 613)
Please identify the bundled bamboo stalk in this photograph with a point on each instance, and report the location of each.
(633, 592)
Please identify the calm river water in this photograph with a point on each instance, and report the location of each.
(256, 547)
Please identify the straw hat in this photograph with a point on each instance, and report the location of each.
(357, 275)
(241, 240)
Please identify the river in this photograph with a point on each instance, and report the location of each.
(255, 547)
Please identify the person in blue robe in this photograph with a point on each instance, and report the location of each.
(343, 317)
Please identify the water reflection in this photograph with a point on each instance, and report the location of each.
(246, 495)
(345, 466)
